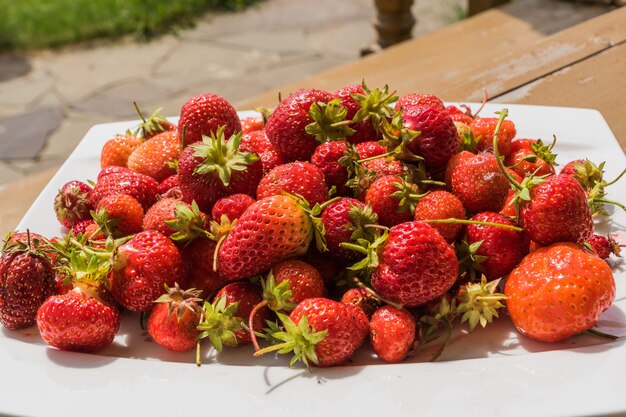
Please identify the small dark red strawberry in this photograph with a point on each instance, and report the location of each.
(231, 206)
(167, 186)
(361, 298)
(204, 114)
(392, 333)
(345, 221)
(298, 178)
(392, 199)
(73, 203)
(126, 181)
(604, 245)
(305, 281)
(441, 205)
(252, 124)
(369, 149)
(326, 157)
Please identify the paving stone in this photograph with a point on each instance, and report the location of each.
(284, 41)
(8, 174)
(62, 142)
(28, 167)
(25, 90)
(345, 40)
(23, 136)
(13, 66)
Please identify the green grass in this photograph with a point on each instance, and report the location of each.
(34, 24)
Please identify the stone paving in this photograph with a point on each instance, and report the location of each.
(49, 99)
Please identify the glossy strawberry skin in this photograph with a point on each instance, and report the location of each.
(258, 143)
(198, 258)
(76, 322)
(142, 266)
(326, 157)
(26, 281)
(339, 227)
(441, 205)
(347, 327)
(504, 248)
(116, 151)
(206, 189)
(364, 131)
(286, 126)
(232, 206)
(73, 203)
(272, 229)
(378, 196)
(126, 181)
(484, 128)
(557, 212)
(416, 265)
(418, 99)
(558, 291)
(247, 295)
(452, 164)
(126, 209)
(298, 178)
(517, 159)
(153, 156)
(305, 281)
(479, 183)
(205, 113)
(369, 149)
(252, 124)
(392, 333)
(174, 331)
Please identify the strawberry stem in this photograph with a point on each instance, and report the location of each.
(617, 178)
(598, 333)
(372, 158)
(256, 308)
(503, 113)
(477, 222)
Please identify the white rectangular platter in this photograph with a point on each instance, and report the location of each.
(491, 372)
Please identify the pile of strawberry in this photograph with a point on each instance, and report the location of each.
(335, 217)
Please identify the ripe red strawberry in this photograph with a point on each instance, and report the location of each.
(484, 128)
(361, 298)
(214, 168)
(286, 127)
(417, 99)
(479, 183)
(81, 227)
(232, 206)
(298, 178)
(247, 295)
(124, 214)
(198, 258)
(604, 246)
(72, 204)
(392, 333)
(441, 205)
(77, 321)
(369, 149)
(585, 172)
(326, 157)
(327, 266)
(173, 321)
(530, 156)
(413, 280)
(364, 130)
(125, 181)
(273, 229)
(305, 281)
(204, 114)
(26, 280)
(180, 221)
(142, 266)
(344, 222)
(155, 156)
(558, 291)
(252, 124)
(392, 199)
(453, 162)
(116, 151)
(167, 186)
(503, 248)
(322, 331)
(557, 212)
(459, 116)
(153, 125)
(438, 140)
(258, 143)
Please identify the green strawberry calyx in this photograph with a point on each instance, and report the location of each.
(329, 121)
(151, 125)
(188, 223)
(407, 196)
(314, 212)
(375, 104)
(219, 323)
(221, 156)
(180, 301)
(397, 138)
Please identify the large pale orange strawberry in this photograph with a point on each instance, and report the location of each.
(484, 129)
(558, 291)
(116, 151)
(155, 156)
(205, 114)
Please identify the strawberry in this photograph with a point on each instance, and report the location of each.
(176, 219)
(173, 321)
(369, 149)
(116, 151)
(502, 248)
(392, 333)
(327, 158)
(125, 181)
(198, 258)
(142, 266)
(155, 156)
(26, 280)
(453, 162)
(272, 229)
(77, 321)
(232, 206)
(558, 291)
(81, 227)
(441, 205)
(153, 125)
(258, 143)
(214, 168)
(119, 215)
(438, 138)
(585, 172)
(345, 221)
(169, 185)
(361, 298)
(416, 99)
(321, 331)
(327, 266)
(479, 183)
(305, 281)
(287, 126)
(457, 115)
(204, 114)
(299, 178)
(604, 246)
(72, 204)
(484, 128)
(413, 280)
(252, 124)
(392, 199)
(530, 156)
(246, 295)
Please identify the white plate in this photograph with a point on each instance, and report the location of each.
(491, 372)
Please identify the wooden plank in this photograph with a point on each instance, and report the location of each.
(16, 197)
(478, 6)
(598, 82)
(424, 62)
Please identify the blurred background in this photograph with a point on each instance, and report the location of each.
(66, 65)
